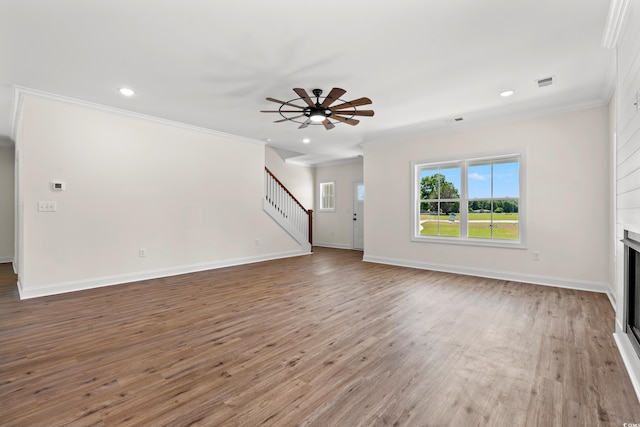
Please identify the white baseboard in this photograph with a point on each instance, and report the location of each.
(630, 359)
(97, 282)
(582, 285)
(612, 300)
(6, 259)
(332, 245)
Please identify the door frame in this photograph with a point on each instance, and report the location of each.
(360, 221)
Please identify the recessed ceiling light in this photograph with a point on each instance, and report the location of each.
(126, 91)
(506, 93)
(306, 140)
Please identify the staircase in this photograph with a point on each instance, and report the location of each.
(287, 211)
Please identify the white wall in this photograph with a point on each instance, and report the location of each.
(628, 121)
(613, 290)
(298, 179)
(627, 172)
(628, 124)
(7, 212)
(567, 201)
(335, 229)
(192, 199)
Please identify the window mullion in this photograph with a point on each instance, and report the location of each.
(464, 200)
(492, 205)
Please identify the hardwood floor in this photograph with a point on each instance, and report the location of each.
(319, 340)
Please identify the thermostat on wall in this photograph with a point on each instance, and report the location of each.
(57, 185)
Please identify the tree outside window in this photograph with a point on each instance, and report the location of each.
(440, 201)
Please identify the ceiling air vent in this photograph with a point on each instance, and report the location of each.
(547, 81)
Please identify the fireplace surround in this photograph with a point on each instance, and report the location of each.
(631, 315)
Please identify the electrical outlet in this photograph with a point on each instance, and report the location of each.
(535, 255)
(47, 206)
(142, 252)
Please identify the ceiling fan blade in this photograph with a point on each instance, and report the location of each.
(333, 96)
(354, 103)
(368, 113)
(284, 103)
(351, 122)
(328, 125)
(290, 118)
(303, 94)
(280, 111)
(304, 125)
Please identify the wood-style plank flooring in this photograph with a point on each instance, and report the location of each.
(318, 340)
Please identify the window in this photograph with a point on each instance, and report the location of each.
(440, 200)
(327, 196)
(360, 194)
(494, 189)
(471, 201)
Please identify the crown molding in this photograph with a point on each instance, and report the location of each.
(340, 162)
(20, 92)
(429, 129)
(16, 107)
(617, 13)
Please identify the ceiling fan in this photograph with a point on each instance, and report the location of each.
(320, 111)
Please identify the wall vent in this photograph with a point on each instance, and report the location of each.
(547, 81)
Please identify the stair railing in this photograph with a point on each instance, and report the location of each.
(287, 207)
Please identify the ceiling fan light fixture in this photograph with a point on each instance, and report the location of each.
(317, 116)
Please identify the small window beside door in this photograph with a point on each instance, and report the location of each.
(328, 196)
(360, 192)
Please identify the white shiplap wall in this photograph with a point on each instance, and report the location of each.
(627, 174)
(628, 122)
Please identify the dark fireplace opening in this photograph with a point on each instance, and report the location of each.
(632, 283)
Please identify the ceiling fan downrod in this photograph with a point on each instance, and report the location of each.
(317, 113)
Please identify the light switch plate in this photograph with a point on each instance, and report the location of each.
(44, 206)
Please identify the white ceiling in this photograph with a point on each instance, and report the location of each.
(212, 63)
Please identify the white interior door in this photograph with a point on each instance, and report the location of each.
(358, 215)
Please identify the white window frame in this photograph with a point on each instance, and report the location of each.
(321, 201)
(417, 166)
